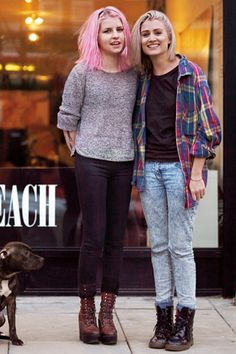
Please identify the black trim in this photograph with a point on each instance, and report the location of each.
(229, 176)
(136, 277)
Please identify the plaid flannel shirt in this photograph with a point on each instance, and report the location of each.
(197, 127)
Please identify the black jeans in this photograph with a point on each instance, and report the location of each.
(104, 189)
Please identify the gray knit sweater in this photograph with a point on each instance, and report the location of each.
(99, 105)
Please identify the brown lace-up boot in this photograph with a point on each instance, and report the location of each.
(88, 329)
(182, 338)
(108, 332)
(163, 328)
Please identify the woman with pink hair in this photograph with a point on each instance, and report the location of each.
(96, 118)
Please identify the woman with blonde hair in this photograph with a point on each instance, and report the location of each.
(175, 131)
(96, 118)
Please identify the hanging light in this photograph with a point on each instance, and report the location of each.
(28, 1)
(34, 19)
(43, 78)
(29, 20)
(33, 37)
(12, 67)
(28, 67)
(38, 20)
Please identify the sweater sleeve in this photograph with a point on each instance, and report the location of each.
(209, 131)
(72, 99)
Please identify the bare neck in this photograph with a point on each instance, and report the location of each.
(162, 65)
(110, 63)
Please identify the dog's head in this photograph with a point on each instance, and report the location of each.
(17, 257)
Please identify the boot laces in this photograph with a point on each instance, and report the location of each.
(106, 313)
(89, 317)
(88, 311)
(180, 324)
(107, 306)
(160, 327)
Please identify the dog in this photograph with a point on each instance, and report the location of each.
(15, 257)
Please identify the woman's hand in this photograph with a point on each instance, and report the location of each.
(197, 188)
(70, 139)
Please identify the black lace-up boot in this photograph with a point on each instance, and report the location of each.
(182, 338)
(163, 328)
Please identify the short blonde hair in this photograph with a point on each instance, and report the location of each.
(141, 60)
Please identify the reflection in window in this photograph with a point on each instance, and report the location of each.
(32, 76)
(37, 50)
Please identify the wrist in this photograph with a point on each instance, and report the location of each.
(196, 174)
(195, 179)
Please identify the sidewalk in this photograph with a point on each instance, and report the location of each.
(48, 325)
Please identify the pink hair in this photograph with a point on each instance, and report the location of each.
(88, 39)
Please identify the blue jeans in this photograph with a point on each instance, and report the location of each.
(170, 228)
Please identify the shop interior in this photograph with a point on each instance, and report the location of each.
(38, 48)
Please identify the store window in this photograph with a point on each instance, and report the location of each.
(199, 37)
(38, 48)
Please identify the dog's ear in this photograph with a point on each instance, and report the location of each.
(3, 254)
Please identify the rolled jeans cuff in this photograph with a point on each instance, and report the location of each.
(164, 304)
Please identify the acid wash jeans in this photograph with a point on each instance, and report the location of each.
(170, 228)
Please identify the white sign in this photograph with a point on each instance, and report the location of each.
(34, 206)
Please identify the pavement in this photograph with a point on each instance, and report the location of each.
(48, 325)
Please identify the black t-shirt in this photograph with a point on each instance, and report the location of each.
(160, 118)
